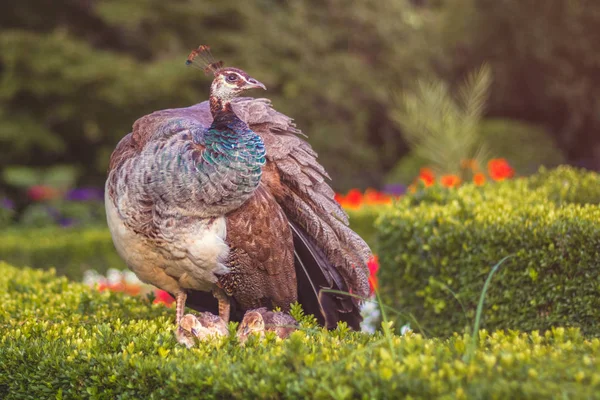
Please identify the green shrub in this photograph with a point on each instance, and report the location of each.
(437, 247)
(63, 340)
(567, 185)
(70, 251)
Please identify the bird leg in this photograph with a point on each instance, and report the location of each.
(180, 333)
(180, 301)
(224, 306)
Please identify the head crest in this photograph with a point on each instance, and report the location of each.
(202, 59)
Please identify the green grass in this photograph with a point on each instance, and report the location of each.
(64, 340)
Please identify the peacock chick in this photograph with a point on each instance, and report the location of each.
(211, 325)
(189, 326)
(253, 323)
(202, 327)
(260, 320)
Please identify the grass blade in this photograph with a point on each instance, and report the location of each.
(475, 333)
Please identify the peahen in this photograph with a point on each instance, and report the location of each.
(223, 205)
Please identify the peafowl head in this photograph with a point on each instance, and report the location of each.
(228, 82)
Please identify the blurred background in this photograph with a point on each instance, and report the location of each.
(383, 88)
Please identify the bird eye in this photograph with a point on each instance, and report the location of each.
(232, 77)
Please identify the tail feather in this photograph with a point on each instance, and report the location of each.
(314, 272)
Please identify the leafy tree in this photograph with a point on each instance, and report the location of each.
(546, 61)
(76, 75)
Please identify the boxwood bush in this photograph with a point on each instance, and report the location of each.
(438, 246)
(63, 340)
(70, 251)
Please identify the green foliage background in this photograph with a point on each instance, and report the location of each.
(75, 75)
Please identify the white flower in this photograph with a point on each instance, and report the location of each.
(114, 276)
(91, 277)
(131, 278)
(371, 315)
(405, 329)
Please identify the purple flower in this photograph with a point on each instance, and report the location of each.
(7, 203)
(66, 222)
(85, 194)
(395, 189)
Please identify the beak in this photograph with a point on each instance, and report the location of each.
(194, 332)
(254, 84)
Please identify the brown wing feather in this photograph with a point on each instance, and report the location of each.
(261, 255)
(300, 188)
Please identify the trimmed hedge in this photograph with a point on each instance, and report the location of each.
(63, 340)
(73, 251)
(70, 251)
(441, 241)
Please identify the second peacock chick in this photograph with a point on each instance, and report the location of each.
(262, 320)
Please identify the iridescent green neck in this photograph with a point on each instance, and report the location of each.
(234, 152)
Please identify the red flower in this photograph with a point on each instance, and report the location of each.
(427, 176)
(479, 179)
(354, 199)
(163, 297)
(373, 265)
(372, 197)
(41, 193)
(499, 169)
(450, 181)
(340, 198)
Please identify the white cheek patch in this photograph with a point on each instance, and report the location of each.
(227, 90)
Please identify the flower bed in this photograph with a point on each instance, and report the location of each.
(126, 282)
